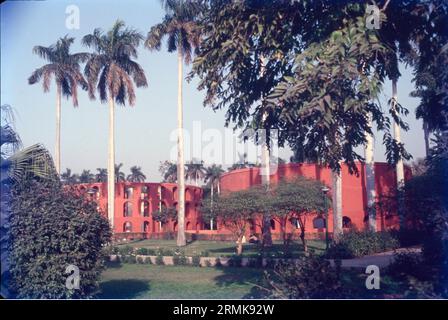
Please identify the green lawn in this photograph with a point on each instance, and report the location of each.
(140, 281)
(225, 248)
(137, 281)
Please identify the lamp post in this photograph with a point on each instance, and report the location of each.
(325, 190)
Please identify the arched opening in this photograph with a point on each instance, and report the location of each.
(128, 192)
(346, 222)
(127, 209)
(188, 226)
(145, 226)
(127, 226)
(175, 226)
(272, 224)
(144, 192)
(144, 208)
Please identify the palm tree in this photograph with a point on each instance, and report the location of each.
(168, 171)
(66, 71)
(183, 35)
(195, 171)
(86, 177)
(119, 175)
(15, 165)
(113, 72)
(212, 176)
(101, 175)
(136, 175)
(370, 178)
(68, 178)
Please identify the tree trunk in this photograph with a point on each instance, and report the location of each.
(180, 158)
(399, 165)
(370, 179)
(266, 181)
(302, 237)
(239, 246)
(426, 136)
(111, 165)
(211, 206)
(57, 151)
(337, 204)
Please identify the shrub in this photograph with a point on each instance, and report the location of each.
(208, 263)
(151, 252)
(309, 277)
(114, 250)
(129, 259)
(52, 228)
(408, 237)
(235, 261)
(179, 258)
(125, 250)
(142, 251)
(409, 264)
(218, 262)
(196, 261)
(159, 260)
(206, 253)
(140, 260)
(360, 243)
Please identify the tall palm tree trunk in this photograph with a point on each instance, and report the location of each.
(266, 168)
(337, 204)
(57, 152)
(370, 179)
(180, 158)
(211, 205)
(399, 165)
(111, 164)
(426, 137)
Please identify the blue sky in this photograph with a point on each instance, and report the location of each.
(143, 131)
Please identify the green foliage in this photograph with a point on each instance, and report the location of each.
(165, 215)
(52, 228)
(196, 261)
(111, 70)
(179, 258)
(142, 251)
(360, 243)
(309, 278)
(409, 264)
(125, 250)
(159, 259)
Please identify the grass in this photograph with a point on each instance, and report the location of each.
(226, 248)
(137, 281)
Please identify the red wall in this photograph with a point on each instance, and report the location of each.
(193, 196)
(354, 196)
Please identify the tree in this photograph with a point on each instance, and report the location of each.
(101, 175)
(297, 199)
(113, 72)
(50, 230)
(68, 178)
(168, 170)
(16, 165)
(119, 175)
(212, 176)
(195, 171)
(65, 67)
(136, 175)
(183, 35)
(235, 209)
(165, 215)
(86, 177)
